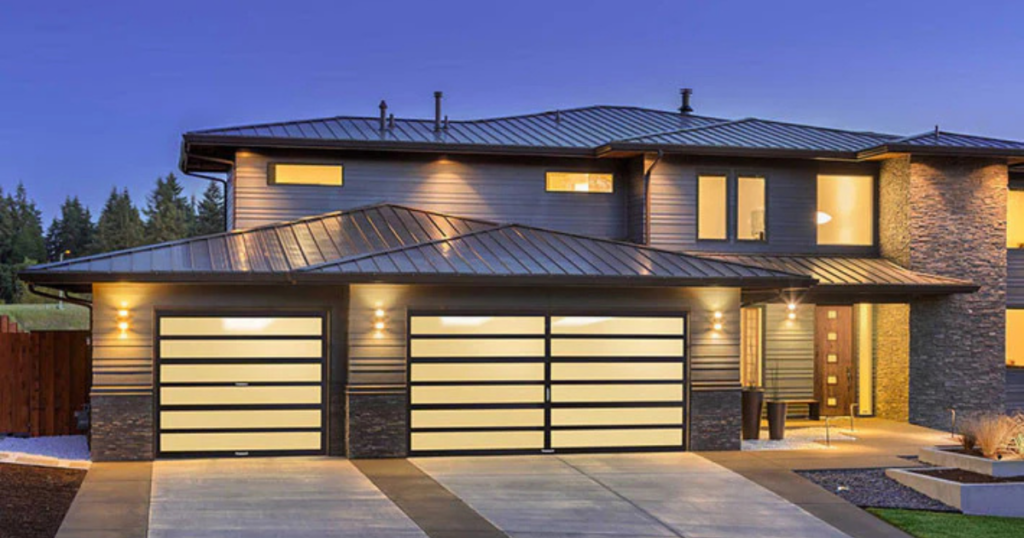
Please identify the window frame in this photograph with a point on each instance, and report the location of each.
(728, 211)
(562, 171)
(1006, 333)
(875, 225)
(1013, 186)
(736, 217)
(272, 173)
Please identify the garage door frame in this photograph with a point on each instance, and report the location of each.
(548, 314)
(325, 359)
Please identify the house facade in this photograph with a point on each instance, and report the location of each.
(595, 279)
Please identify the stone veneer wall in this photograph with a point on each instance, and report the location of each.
(947, 216)
(377, 425)
(892, 361)
(122, 428)
(715, 420)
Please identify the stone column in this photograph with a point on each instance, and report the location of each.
(947, 216)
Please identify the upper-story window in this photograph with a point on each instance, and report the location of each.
(306, 174)
(712, 208)
(1015, 219)
(846, 210)
(579, 182)
(751, 208)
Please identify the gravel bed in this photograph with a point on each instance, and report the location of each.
(870, 488)
(65, 447)
(33, 500)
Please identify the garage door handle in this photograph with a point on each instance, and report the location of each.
(547, 394)
(241, 384)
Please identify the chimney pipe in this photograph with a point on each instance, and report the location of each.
(383, 114)
(437, 111)
(686, 108)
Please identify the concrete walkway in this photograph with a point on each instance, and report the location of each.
(621, 495)
(273, 497)
(113, 502)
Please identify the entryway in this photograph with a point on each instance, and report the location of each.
(543, 382)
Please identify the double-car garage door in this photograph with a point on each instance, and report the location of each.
(537, 383)
(241, 384)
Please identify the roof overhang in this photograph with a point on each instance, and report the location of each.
(627, 148)
(886, 151)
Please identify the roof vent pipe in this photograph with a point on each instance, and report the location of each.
(391, 121)
(383, 114)
(686, 108)
(445, 122)
(437, 111)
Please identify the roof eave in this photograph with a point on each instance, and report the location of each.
(944, 151)
(680, 149)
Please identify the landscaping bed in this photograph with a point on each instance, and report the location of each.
(33, 500)
(967, 477)
(870, 488)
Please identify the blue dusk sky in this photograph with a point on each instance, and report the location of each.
(96, 94)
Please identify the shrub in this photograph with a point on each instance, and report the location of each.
(993, 434)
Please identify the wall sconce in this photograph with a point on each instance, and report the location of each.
(378, 322)
(792, 311)
(122, 320)
(718, 321)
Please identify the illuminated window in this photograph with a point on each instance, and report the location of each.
(1015, 219)
(712, 208)
(750, 209)
(1015, 337)
(306, 174)
(846, 210)
(751, 347)
(579, 182)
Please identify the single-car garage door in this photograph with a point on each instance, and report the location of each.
(538, 383)
(240, 385)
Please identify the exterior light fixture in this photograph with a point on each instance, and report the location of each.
(378, 321)
(823, 218)
(792, 311)
(718, 321)
(122, 320)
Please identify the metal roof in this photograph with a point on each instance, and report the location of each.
(526, 253)
(753, 133)
(942, 139)
(849, 272)
(277, 248)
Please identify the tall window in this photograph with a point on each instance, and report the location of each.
(750, 209)
(846, 210)
(751, 346)
(306, 174)
(579, 182)
(1015, 219)
(712, 207)
(1015, 337)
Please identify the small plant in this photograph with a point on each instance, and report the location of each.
(967, 439)
(993, 434)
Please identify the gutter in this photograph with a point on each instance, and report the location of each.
(183, 166)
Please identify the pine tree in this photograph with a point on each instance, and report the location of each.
(26, 230)
(168, 213)
(120, 225)
(72, 232)
(210, 212)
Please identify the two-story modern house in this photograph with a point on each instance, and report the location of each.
(603, 278)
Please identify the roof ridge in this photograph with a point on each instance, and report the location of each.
(229, 233)
(941, 132)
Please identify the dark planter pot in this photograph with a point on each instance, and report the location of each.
(753, 401)
(776, 420)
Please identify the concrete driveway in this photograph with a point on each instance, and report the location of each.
(621, 495)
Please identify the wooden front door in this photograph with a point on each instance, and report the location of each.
(834, 374)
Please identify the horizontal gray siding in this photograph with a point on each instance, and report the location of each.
(380, 363)
(789, 353)
(1015, 389)
(1015, 278)
(792, 204)
(493, 189)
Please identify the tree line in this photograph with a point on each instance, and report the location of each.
(167, 215)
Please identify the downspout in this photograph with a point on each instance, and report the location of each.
(647, 197)
(222, 181)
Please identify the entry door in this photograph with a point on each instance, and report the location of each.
(536, 383)
(241, 385)
(835, 376)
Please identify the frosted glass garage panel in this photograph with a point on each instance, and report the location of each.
(639, 326)
(617, 438)
(490, 325)
(241, 349)
(617, 393)
(477, 440)
(235, 373)
(624, 416)
(494, 371)
(239, 442)
(241, 326)
(616, 347)
(476, 347)
(477, 418)
(217, 420)
(617, 371)
(476, 394)
(240, 395)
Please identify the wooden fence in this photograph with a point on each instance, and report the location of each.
(8, 325)
(44, 378)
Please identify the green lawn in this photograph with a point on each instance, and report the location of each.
(46, 317)
(945, 525)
